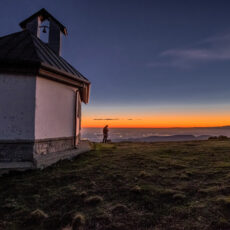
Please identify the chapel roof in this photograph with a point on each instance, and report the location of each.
(24, 48)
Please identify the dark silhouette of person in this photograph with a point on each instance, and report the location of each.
(105, 134)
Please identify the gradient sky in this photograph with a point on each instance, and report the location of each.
(158, 63)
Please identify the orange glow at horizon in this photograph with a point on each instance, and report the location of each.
(160, 121)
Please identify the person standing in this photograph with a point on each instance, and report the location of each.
(105, 134)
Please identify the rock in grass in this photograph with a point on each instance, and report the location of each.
(78, 221)
(93, 200)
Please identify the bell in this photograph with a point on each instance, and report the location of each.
(44, 30)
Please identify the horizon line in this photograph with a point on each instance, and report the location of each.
(172, 127)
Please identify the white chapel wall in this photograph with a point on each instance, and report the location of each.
(55, 109)
(17, 105)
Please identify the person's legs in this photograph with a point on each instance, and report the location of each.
(105, 139)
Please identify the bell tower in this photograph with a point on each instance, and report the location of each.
(56, 29)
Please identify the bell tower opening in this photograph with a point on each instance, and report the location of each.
(44, 31)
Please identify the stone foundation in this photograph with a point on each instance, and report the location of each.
(44, 160)
(18, 151)
(40, 153)
(53, 145)
(50, 150)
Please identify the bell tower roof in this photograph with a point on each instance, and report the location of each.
(43, 15)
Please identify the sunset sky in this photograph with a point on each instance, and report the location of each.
(158, 63)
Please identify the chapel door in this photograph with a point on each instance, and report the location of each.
(78, 119)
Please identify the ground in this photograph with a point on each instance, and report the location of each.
(175, 185)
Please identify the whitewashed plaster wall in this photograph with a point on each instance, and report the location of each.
(55, 109)
(17, 104)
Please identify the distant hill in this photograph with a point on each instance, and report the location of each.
(166, 138)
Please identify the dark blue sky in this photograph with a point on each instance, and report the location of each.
(142, 52)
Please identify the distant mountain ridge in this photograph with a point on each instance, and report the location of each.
(166, 138)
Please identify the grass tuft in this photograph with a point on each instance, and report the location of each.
(136, 189)
(38, 214)
(68, 227)
(144, 174)
(179, 196)
(223, 223)
(78, 221)
(93, 200)
(36, 217)
(119, 209)
(224, 201)
(83, 194)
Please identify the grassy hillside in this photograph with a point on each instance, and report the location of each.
(124, 186)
